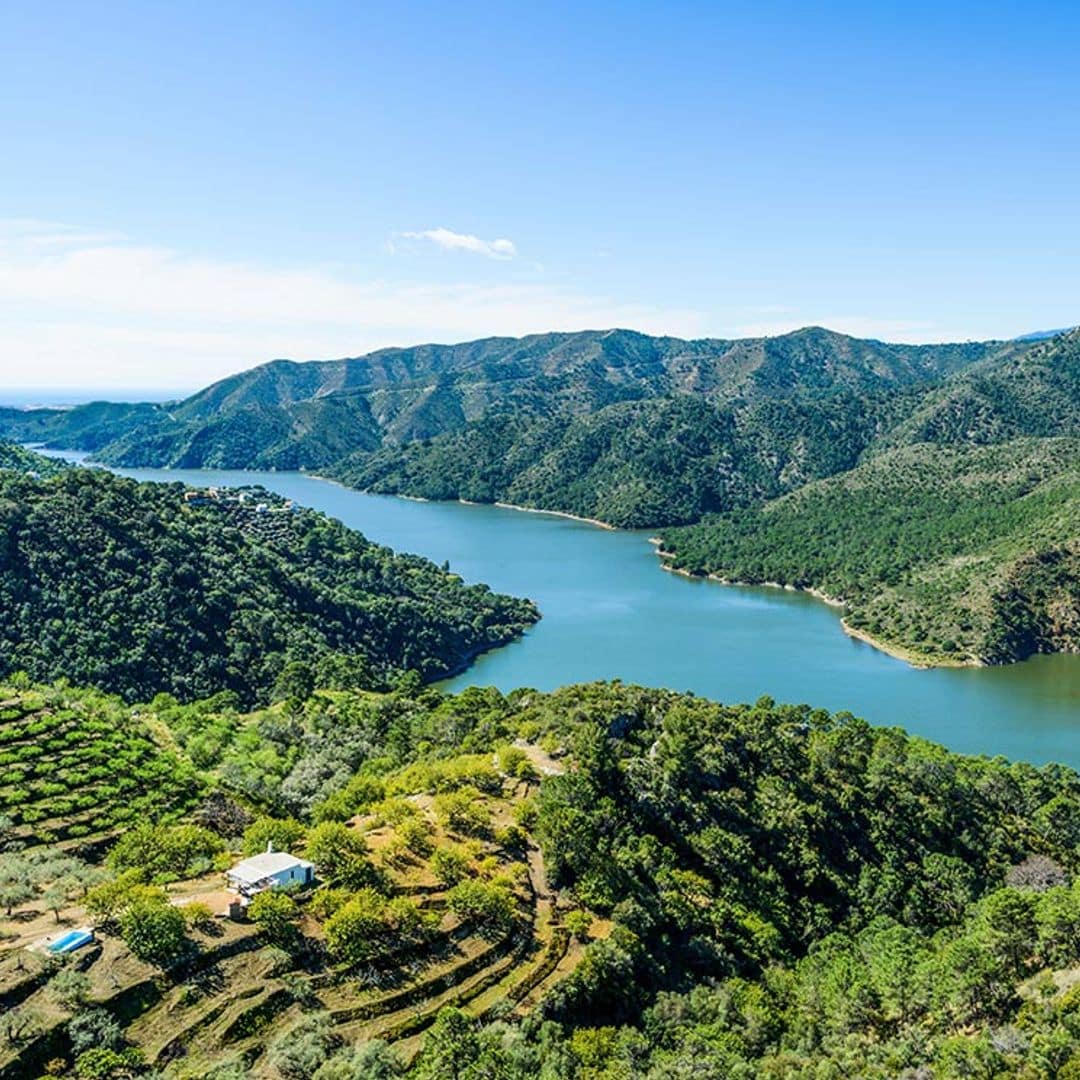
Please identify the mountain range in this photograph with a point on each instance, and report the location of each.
(616, 425)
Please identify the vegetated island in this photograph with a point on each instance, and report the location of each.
(604, 881)
(958, 555)
(140, 588)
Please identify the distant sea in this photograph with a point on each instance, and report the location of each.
(62, 397)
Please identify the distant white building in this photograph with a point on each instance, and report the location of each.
(269, 869)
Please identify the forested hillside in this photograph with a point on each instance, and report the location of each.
(16, 458)
(599, 883)
(949, 554)
(140, 588)
(1029, 392)
(611, 424)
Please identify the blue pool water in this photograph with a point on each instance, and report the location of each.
(72, 940)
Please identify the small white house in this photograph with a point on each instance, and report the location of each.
(269, 869)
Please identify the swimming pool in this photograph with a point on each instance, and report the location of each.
(72, 940)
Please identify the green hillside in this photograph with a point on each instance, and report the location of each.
(946, 554)
(633, 464)
(140, 588)
(85, 427)
(602, 882)
(1033, 391)
(612, 424)
(77, 764)
(15, 458)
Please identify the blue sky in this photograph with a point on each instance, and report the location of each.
(191, 189)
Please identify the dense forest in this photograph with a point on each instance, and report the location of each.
(601, 883)
(142, 588)
(949, 554)
(15, 458)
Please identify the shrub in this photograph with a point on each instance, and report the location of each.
(154, 930)
(449, 865)
(274, 913)
(579, 923)
(284, 833)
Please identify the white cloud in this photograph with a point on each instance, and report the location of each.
(449, 240)
(82, 309)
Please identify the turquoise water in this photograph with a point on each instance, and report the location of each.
(71, 940)
(610, 612)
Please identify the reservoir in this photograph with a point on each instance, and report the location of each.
(610, 612)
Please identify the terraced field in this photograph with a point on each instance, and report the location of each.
(237, 990)
(79, 765)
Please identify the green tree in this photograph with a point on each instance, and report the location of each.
(451, 1048)
(296, 681)
(274, 913)
(284, 833)
(154, 930)
(299, 1051)
(464, 811)
(166, 851)
(450, 865)
(339, 854)
(488, 903)
(1009, 929)
(579, 922)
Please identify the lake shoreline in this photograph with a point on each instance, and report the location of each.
(556, 513)
(467, 502)
(898, 652)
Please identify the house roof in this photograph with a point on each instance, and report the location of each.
(266, 864)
